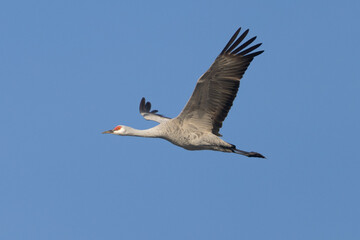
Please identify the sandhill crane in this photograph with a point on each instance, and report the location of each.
(197, 126)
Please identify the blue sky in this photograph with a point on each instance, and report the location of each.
(72, 69)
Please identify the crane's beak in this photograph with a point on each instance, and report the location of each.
(109, 131)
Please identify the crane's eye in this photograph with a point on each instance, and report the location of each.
(117, 128)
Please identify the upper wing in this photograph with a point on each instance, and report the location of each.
(145, 108)
(216, 89)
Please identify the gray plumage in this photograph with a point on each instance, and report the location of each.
(216, 89)
(197, 126)
(145, 111)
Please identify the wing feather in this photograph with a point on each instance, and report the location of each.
(216, 89)
(145, 111)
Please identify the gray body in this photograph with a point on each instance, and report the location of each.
(188, 136)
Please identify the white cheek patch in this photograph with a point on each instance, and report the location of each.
(120, 131)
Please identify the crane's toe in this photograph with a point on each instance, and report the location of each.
(255, 154)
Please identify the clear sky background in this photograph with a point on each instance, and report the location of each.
(72, 69)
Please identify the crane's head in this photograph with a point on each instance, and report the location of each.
(118, 130)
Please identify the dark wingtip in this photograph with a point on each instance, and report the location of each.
(147, 106)
(232, 39)
(252, 55)
(142, 105)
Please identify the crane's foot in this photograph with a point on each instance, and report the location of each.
(248, 154)
(255, 154)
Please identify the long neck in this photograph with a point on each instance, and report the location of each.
(151, 132)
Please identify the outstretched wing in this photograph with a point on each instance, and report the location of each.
(216, 89)
(145, 111)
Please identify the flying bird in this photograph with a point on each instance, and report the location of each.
(197, 126)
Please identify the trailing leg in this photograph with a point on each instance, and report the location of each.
(248, 154)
